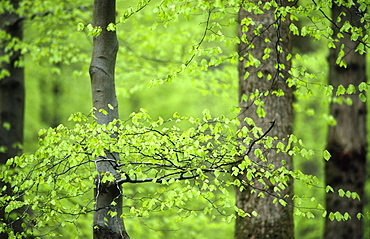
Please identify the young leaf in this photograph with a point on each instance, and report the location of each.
(111, 27)
(341, 90)
(362, 97)
(329, 189)
(327, 155)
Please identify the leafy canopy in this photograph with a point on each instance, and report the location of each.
(187, 157)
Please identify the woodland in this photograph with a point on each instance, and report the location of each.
(184, 119)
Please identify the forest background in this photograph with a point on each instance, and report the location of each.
(57, 85)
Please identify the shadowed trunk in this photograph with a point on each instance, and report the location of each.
(108, 196)
(12, 96)
(274, 220)
(347, 139)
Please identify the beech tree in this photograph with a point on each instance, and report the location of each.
(265, 98)
(137, 150)
(108, 195)
(13, 14)
(346, 142)
(11, 100)
(87, 166)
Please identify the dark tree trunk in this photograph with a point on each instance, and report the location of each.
(51, 114)
(274, 220)
(347, 139)
(12, 95)
(108, 195)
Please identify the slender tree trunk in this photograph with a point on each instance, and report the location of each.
(108, 196)
(274, 220)
(12, 95)
(347, 139)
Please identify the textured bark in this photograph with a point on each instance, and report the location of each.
(103, 93)
(274, 220)
(12, 95)
(347, 139)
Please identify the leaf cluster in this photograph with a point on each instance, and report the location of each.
(188, 158)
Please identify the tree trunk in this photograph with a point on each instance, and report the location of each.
(347, 139)
(51, 113)
(108, 196)
(12, 95)
(274, 220)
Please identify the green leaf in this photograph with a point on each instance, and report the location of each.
(261, 112)
(249, 121)
(13, 205)
(346, 216)
(80, 26)
(310, 215)
(257, 152)
(331, 216)
(324, 213)
(329, 189)
(363, 86)
(304, 31)
(362, 97)
(282, 202)
(355, 195)
(341, 90)
(261, 195)
(294, 29)
(254, 213)
(304, 153)
(107, 177)
(112, 213)
(249, 175)
(111, 27)
(103, 111)
(331, 45)
(326, 155)
(351, 89)
(348, 194)
(338, 216)
(360, 48)
(6, 126)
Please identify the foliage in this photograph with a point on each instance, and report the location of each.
(189, 158)
(152, 151)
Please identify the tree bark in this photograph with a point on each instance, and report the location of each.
(346, 140)
(274, 220)
(108, 196)
(12, 94)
